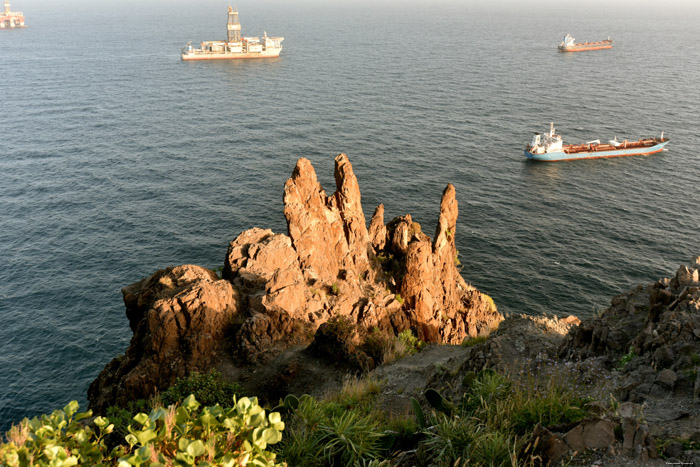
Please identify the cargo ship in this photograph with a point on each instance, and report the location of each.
(11, 19)
(549, 147)
(568, 45)
(234, 46)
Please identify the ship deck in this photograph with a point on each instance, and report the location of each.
(604, 147)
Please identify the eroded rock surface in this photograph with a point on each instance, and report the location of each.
(179, 317)
(278, 289)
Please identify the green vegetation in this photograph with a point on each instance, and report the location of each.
(695, 359)
(399, 298)
(385, 348)
(491, 422)
(490, 302)
(334, 288)
(686, 445)
(625, 359)
(410, 342)
(489, 425)
(179, 435)
(393, 266)
(472, 341)
(348, 428)
(210, 389)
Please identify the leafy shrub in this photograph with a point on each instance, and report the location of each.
(238, 435)
(340, 326)
(210, 389)
(121, 417)
(59, 439)
(410, 342)
(180, 435)
(378, 345)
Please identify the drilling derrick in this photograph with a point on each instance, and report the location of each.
(11, 19)
(233, 27)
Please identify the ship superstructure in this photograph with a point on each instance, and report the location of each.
(235, 45)
(11, 19)
(550, 147)
(569, 44)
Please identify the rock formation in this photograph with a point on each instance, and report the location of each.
(277, 290)
(179, 317)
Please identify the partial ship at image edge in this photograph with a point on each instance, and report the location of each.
(549, 148)
(235, 46)
(568, 45)
(11, 19)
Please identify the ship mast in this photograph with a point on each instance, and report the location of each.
(233, 28)
(7, 8)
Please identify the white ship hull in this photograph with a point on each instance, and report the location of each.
(197, 54)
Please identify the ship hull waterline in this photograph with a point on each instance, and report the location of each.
(582, 49)
(561, 156)
(211, 56)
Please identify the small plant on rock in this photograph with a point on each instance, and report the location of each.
(625, 359)
(472, 341)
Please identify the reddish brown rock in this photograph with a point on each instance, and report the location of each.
(377, 229)
(265, 266)
(179, 316)
(278, 289)
(328, 233)
(446, 308)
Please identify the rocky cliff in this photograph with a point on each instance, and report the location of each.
(278, 290)
(639, 362)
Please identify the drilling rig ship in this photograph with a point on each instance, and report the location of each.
(235, 46)
(11, 19)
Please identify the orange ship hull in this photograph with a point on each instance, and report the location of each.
(586, 46)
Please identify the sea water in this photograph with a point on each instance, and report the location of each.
(118, 159)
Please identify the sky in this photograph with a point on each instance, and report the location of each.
(662, 7)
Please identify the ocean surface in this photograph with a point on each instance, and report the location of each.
(118, 159)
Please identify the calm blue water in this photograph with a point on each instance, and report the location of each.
(117, 159)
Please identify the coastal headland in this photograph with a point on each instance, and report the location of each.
(279, 291)
(298, 313)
